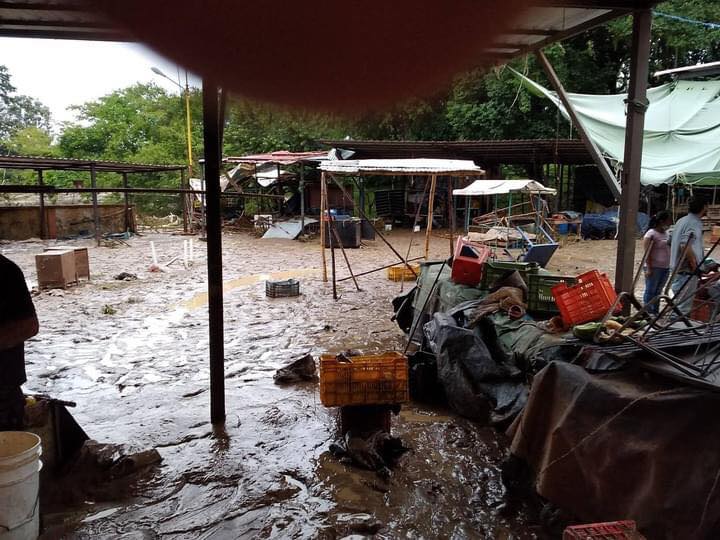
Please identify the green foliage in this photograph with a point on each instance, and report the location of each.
(18, 112)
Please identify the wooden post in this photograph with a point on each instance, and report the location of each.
(332, 256)
(127, 201)
(302, 197)
(323, 204)
(211, 138)
(637, 104)
(43, 218)
(431, 204)
(96, 210)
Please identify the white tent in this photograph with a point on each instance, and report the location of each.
(420, 166)
(502, 187)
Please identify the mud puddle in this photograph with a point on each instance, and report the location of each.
(140, 377)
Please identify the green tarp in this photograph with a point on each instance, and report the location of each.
(682, 129)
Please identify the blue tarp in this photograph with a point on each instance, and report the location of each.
(604, 225)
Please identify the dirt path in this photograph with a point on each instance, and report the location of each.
(140, 377)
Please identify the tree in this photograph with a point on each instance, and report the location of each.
(18, 111)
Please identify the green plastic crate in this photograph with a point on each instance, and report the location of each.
(497, 269)
(540, 298)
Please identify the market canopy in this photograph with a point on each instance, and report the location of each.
(419, 166)
(682, 129)
(503, 187)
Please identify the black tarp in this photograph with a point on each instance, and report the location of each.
(624, 445)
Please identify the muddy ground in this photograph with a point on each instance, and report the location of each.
(133, 355)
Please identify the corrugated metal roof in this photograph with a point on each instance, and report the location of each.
(540, 23)
(281, 157)
(506, 152)
(454, 167)
(67, 164)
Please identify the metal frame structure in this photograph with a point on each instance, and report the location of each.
(541, 23)
(42, 164)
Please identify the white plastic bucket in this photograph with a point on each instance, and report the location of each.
(19, 485)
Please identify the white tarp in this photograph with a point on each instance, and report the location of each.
(681, 140)
(420, 166)
(502, 187)
(197, 184)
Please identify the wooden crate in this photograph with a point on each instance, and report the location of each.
(82, 259)
(56, 269)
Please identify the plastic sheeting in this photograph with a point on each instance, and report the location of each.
(502, 187)
(424, 166)
(477, 385)
(624, 446)
(682, 129)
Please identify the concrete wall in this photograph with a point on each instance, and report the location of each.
(23, 222)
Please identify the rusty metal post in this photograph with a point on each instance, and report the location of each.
(43, 226)
(127, 202)
(592, 148)
(96, 210)
(636, 106)
(211, 138)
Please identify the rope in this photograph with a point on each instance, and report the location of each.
(715, 26)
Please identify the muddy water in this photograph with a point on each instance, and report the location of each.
(140, 377)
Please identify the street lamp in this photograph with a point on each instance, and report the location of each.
(186, 92)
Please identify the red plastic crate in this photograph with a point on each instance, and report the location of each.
(588, 300)
(612, 530)
(468, 262)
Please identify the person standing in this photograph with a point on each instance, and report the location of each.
(687, 233)
(657, 263)
(18, 323)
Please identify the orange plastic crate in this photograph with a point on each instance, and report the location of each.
(588, 300)
(400, 272)
(376, 379)
(611, 530)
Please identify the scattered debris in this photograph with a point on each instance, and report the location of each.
(107, 309)
(378, 452)
(302, 369)
(125, 276)
(155, 268)
(56, 292)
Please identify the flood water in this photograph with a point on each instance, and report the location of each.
(140, 377)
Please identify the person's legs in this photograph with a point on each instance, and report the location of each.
(653, 286)
(12, 408)
(685, 299)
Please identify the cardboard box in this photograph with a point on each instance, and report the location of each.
(82, 260)
(56, 269)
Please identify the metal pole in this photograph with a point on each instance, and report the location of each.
(302, 197)
(323, 203)
(43, 225)
(467, 214)
(332, 257)
(636, 107)
(602, 165)
(96, 214)
(188, 126)
(211, 138)
(431, 204)
(127, 201)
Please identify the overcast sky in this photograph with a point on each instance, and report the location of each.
(61, 73)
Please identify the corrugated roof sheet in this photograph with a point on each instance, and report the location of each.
(454, 167)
